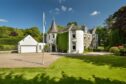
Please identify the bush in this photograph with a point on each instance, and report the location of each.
(87, 50)
(100, 48)
(124, 45)
(107, 48)
(7, 47)
(115, 50)
(10, 41)
(123, 51)
(46, 48)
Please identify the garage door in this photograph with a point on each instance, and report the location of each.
(28, 49)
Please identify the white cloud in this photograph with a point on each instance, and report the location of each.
(70, 9)
(57, 9)
(3, 20)
(94, 13)
(61, 1)
(63, 8)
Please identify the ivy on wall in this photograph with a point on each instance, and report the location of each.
(62, 42)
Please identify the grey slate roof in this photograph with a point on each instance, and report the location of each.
(53, 28)
(73, 28)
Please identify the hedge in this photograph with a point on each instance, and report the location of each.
(62, 42)
(10, 41)
(7, 47)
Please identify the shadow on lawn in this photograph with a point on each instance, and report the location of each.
(113, 61)
(43, 79)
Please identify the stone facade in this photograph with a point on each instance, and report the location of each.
(79, 38)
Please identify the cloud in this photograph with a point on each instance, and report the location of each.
(63, 8)
(3, 20)
(61, 1)
(70, 9)
(57, 9)
(94, 13)
(50, 11)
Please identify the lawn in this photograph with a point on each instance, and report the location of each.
(71, 70)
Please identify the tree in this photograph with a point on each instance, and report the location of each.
(70, 23)
(102, 35)
(13, 33)
(109, 21)
(60, 27)
(114, 38)
(34, 32)
(118, 20)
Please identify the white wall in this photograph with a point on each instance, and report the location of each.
(28, 40)
(79, 41)
(40, 47)
(51, 39)
(69, 42)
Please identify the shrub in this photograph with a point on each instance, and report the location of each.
(46, 48)
(123, 51)
(10, 41)
(124, 45)
(7, 47)
(100, 48)
(87, 50)
(114, 50)
(107, 48)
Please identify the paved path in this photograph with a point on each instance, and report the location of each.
(26, 60)
(97, 53)
(85, 54)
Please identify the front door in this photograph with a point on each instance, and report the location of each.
(53, 48)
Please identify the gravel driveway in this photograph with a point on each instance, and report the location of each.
(26, 60)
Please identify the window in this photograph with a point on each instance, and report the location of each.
(74, 46)
(53, 36)
(74, 36)
(40, 47)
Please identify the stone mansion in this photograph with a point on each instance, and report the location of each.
(79, 38)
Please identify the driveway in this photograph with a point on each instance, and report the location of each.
(36, 59)
(26, 60)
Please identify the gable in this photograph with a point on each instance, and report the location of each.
(28, 40)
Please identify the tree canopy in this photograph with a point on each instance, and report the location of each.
(70, 23)
(9, 36)
(7, 32)
(117, 21)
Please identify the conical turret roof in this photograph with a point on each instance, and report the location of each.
(53, 28)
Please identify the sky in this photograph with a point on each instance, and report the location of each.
(28, 13)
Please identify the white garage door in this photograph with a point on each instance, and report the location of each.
(28, 49)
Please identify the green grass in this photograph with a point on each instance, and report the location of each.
(71, 70)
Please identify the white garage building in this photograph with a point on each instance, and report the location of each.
(29, 45)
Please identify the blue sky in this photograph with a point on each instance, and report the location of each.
(28, 13)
